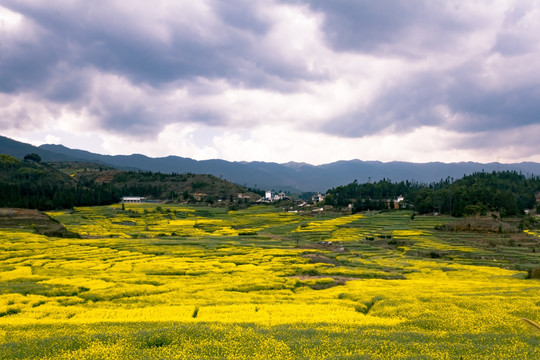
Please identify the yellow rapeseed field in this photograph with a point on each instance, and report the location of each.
(184, 283)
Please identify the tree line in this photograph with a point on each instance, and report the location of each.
(506, 192)
(34, 185)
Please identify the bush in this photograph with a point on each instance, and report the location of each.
(534, 273)
(8, 161)
(10, 311)
(33, 157)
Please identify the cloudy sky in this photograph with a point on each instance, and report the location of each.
(275, 80)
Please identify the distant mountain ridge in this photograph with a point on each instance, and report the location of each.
(291, 176)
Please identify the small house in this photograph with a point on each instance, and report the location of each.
(199, 196)
(317, 198)
(133, 200)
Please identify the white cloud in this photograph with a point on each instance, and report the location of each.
(290, 80)
(175, 139)
(52, 139)
(9, 20)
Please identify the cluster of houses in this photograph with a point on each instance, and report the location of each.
(268, 197)
(197, 196)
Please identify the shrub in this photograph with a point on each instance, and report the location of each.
(10, 311)
(534, 273)
(33, 157)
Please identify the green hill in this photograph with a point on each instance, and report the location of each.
(44, 186)
(291, 177)
(158, 186)
(35, 185)
(507, 192)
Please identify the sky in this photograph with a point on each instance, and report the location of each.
(310, 81)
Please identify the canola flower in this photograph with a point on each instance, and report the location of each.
(532, 232)
(328, 225)
(221, 295)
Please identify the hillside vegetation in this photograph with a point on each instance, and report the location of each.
(34, 185)
(44, 186)
(172, 187)
(507, 193)
(292, 177)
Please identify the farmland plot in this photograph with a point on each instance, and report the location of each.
(173, 282)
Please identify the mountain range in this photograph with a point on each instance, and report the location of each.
(292, 176)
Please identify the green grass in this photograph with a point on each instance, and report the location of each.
(203, 340)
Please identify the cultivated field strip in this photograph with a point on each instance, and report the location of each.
(263, 283)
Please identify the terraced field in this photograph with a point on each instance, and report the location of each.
(176, 282)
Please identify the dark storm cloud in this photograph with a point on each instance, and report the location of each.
(26, 61)
(509, 44)
(509, 143)
(365, 25)
(396, 110)
(495, 110)
(470, 107)
(85, 37)
(64, 53)
(380, 27)
(132, 120)
(422, 28)
(86, 40)
(60, 44)
(242, 14)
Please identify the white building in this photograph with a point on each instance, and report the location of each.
(268, 196)
(133, 199)
(317, 198)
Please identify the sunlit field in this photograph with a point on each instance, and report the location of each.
(177, 282)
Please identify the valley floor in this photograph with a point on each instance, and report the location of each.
(176, 282)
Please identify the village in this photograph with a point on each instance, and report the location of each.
(316, 204)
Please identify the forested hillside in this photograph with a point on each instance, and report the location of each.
(291, 177)
(507, 192)
(173, 187)
(35, 185)
(44, 186)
